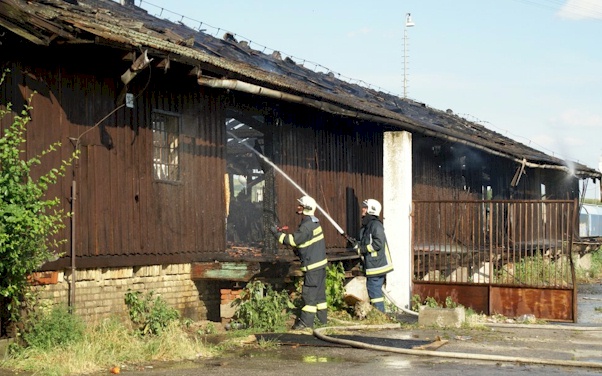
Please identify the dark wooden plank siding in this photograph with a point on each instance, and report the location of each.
(120, 210)
(47, 127)
(330, 162)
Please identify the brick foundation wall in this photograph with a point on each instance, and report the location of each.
(227, 296)
(100, 293)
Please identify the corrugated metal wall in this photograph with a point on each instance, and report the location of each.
(128, 211)
(338, 164)
(122, 215)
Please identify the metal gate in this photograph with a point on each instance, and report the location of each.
(497, 256)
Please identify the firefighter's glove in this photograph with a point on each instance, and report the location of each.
(275, 231)
(355, 245)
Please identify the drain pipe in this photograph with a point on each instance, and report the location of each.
(139, 64)
(455, 355)
(72, 282)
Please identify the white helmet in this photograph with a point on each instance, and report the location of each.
(373, 206)
(309, 205)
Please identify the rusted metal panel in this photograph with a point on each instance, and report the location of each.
(43, 278)
(473, 296)
(546, 304)
(518, 244)
(227, 271)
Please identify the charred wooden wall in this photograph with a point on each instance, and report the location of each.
(443, 170)
(336, 161)
(122, 215)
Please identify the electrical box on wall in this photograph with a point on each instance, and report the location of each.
(129, 100)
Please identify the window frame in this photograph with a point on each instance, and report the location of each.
(164, 167)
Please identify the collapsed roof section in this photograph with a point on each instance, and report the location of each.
(227, 63)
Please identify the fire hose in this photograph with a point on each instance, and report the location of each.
(318, 332)
(279, 170)
(328, 217)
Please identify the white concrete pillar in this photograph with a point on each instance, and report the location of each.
(397, 205)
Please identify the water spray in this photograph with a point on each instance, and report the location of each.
(336, 225)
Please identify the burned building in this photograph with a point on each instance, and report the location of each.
(189, 146)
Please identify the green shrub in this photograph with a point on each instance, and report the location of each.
(335, 286)
(450, 303)
(260, 307)
(416, 302)
(57, 328)
(596, 267)
(536, 270)
(431, 302)
(150, 313)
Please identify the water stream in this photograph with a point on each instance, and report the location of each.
(290, 180)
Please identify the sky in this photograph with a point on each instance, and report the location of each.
(528, 69)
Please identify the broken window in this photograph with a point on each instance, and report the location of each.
(166, 146)
(245, 179)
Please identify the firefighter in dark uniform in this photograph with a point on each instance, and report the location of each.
(372, 246)
(308, 243)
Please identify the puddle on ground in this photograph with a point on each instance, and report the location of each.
(290, 353)
(321, 359)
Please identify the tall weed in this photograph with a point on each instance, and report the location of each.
(149, 313)
(57, 328)
(259, 306)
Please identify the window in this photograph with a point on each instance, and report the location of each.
(246, 179)
(166, 146)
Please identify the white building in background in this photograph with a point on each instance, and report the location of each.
(590, 220)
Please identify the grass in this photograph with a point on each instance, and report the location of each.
(108, 344)
(594, 272)
(114, 343)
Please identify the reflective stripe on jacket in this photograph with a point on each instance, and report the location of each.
(309, 242)
(374, 247)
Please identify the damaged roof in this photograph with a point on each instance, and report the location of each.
(53, 22)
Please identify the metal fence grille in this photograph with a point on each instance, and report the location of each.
(525, 243)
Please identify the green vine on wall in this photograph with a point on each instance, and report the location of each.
(29, 221)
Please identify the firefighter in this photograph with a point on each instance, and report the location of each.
(373, 248)
(308, 244)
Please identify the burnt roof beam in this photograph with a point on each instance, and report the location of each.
(34, 27)
(336, 110)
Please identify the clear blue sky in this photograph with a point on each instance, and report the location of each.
(528, 69)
